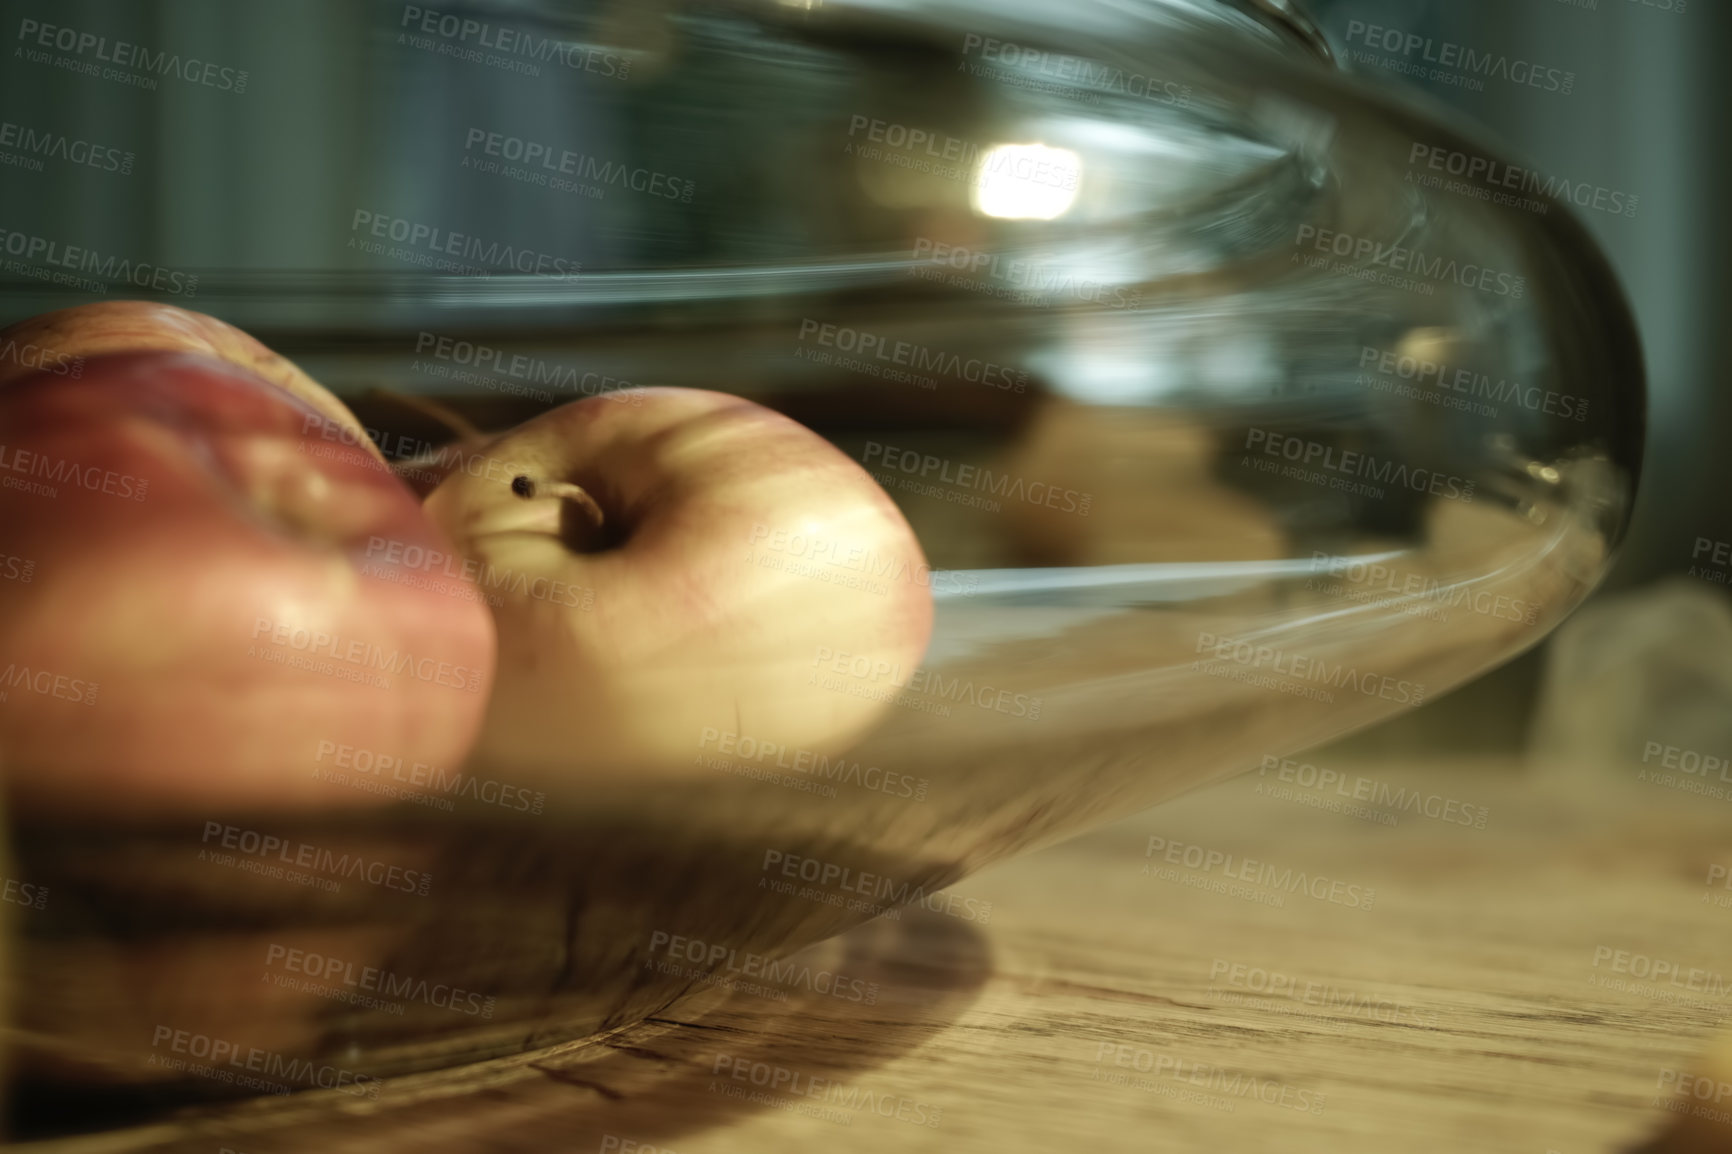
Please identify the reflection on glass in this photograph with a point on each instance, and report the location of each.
(1026, 182)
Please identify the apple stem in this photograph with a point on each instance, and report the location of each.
(434, 410)
(529, 488)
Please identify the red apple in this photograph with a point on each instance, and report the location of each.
(734, 545)
(58, 341)
(201, 603)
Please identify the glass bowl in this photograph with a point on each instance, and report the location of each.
(1232, 406)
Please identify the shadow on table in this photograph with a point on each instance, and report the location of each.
(1690, 1135)
(809, 1046)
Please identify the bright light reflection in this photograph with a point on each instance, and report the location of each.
(1026, 181)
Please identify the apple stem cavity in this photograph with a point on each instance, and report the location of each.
(529, 488)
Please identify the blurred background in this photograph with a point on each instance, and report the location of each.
(1644, 119)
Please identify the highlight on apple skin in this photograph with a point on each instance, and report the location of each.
(677, 565)
(208, 596)
(59, 341)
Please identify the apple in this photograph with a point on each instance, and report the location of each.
(425, 471)
(672, 567)
(57, 342)
(199, 597)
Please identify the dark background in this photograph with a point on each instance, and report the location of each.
(1648, 116)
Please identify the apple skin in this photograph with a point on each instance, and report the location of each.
(425, 472)
(107, 327)
(187, 505)
(679, 624)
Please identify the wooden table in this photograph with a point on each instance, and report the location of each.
(1485, 997)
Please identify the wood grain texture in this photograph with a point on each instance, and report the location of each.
(1474, 1003)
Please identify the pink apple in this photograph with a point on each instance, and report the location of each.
(57, 341)
(205, 597)
(734, 546)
